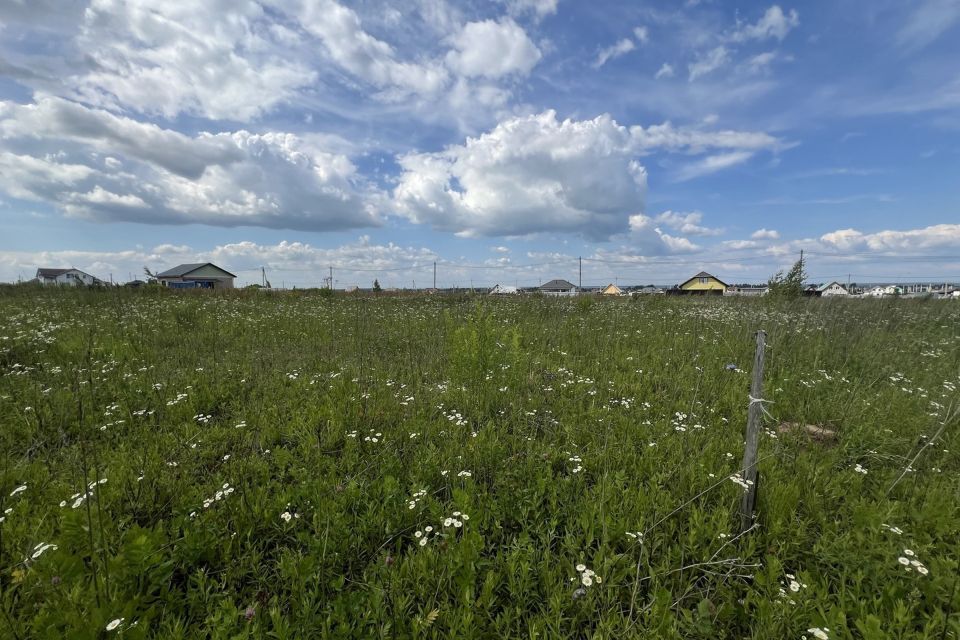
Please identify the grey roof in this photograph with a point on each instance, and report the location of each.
(51, 273)
(558, 285)
(183, 269)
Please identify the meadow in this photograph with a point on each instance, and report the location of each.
(252, 465)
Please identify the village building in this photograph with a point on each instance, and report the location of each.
(832, 289)
(883, 291)
(612, 290)
(746, 291)
(703, 284)
(503, 290)
(203, 275)
(558, 288)
(67, 277)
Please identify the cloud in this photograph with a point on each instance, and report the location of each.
(613, 51)
(941, 236)
(712, 164)
(928, 20)
(774, 24)
(695, 140)
(761, 62)
(765, 234)
(647, 239)
(713, 60)
(642, 34)
(536, 174)
(216, 59)
(54, 151)
(372, 60)
(539, 8)
(528, 175)
(686, 223)
(492, 49)
(665, 71)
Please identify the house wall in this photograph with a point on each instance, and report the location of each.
(71, 278)
(712, 284)
(834, 290)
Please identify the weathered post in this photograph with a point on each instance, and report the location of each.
(754, 415)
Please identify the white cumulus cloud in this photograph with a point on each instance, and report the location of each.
(492, 49)
(93, 164)
(528, 175)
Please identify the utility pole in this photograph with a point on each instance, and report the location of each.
(580, 260)
(331, 278)
(434, 274)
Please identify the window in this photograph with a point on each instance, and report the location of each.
(704, 280)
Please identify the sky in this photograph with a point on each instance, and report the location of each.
(503, 140)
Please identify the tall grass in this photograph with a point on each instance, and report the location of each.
(267, 466)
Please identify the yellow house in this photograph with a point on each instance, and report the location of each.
(704, 284)
(611, 290)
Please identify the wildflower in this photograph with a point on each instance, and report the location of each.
(113, 624)
(41, 548)
(286, 516)
(860, 469)
(820, 634)
(904, 561)
(249, 612)
(19, 489)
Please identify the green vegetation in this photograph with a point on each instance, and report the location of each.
(790, 285)
(252, 464)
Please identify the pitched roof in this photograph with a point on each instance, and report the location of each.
(51, 273)
(558, 284)
(183, 269)
(826, 286)
(704, 274)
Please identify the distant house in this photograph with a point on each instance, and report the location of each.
(746, 291)
(883, 291)
(203, 275)
(611, 290)
(648, 290)
(832, 289)
(69, 277)
(558, 288)
(703, 284)
(502, 290)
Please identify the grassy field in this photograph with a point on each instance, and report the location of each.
(302, 466)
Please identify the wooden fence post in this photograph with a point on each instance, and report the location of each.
(754, 415)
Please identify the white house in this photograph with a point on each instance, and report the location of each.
(69, 277)
(882, 291)
(503, 290)
(832, 289)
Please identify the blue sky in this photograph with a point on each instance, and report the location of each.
(501, 139)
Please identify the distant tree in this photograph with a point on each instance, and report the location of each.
(376, 285)
(790, 285)
(150, 274)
